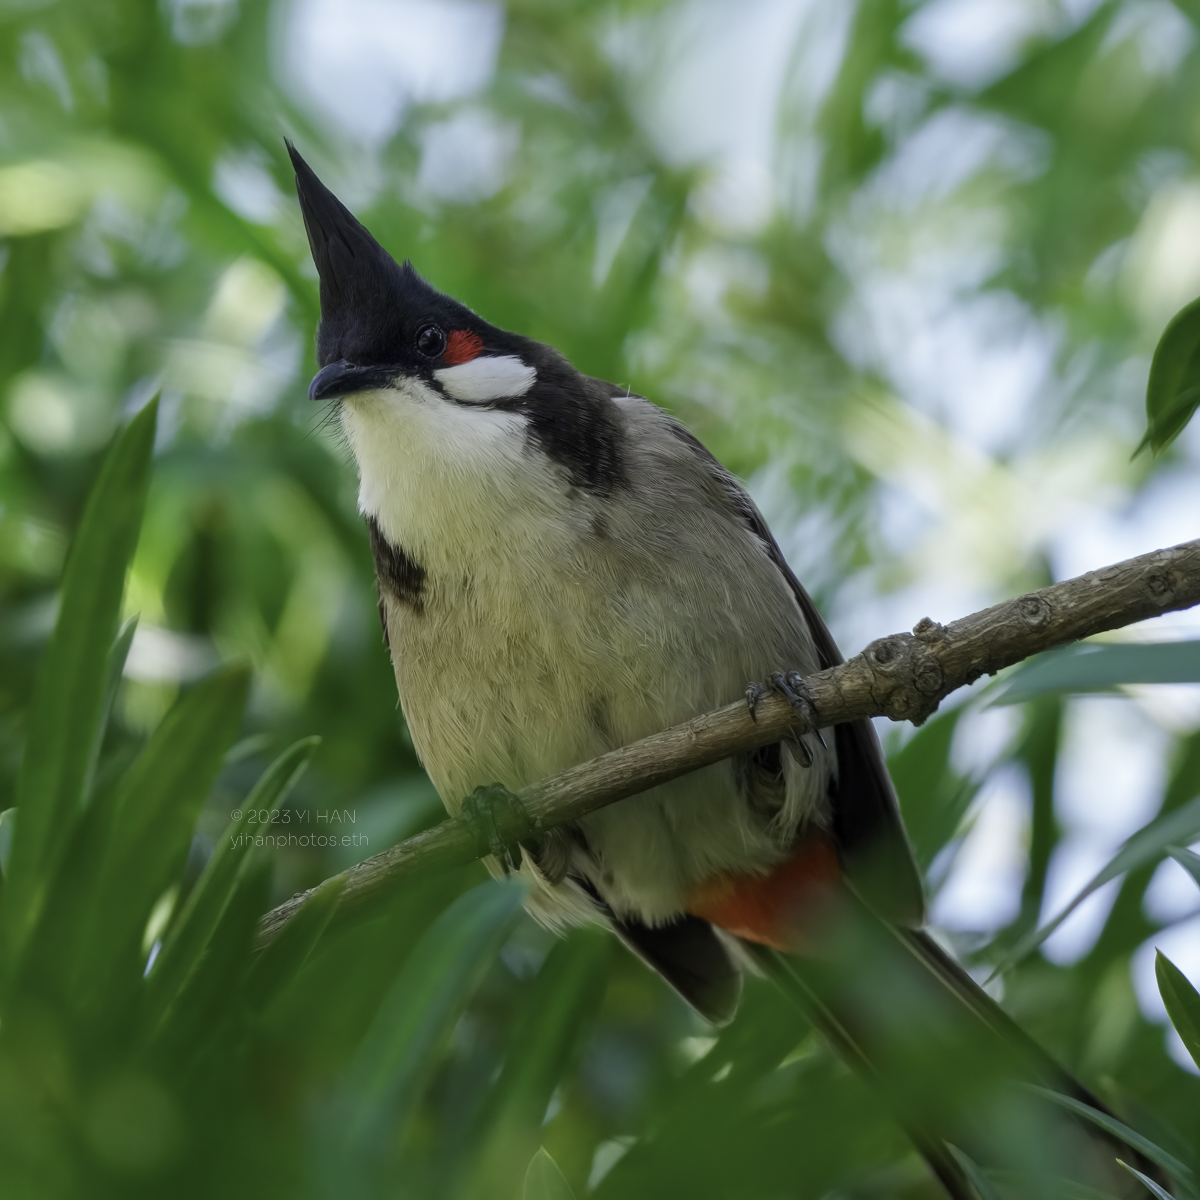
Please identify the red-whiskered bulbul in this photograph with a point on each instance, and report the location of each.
(563, 569)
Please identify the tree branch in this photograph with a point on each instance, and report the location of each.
(904, 677)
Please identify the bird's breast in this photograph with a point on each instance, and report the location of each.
(507, 676)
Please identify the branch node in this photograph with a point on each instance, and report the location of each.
(1160, 587)
(887, 654)
(928, 630)
(929, 677)
(1036, 611)
(907, 680)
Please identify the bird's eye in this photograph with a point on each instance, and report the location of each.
(431, 341)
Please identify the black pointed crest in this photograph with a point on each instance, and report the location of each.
(361, 283)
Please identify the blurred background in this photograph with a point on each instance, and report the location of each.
(901, 265)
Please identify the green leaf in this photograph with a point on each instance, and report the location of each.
(1182, 1001)
(544, 1181)
(1185, 858)
(1173, 389)
(1156, 1154)
(73, 681)
(116, 666)
(979, 1181)
(1017, 1183)
(188, 934)
(1037, 751)
(1146, 846)
(8, 820)
(933, 797)
(552, 1016)
(327, 1009)
(204, 1016)
(414, 1021)
(1101, 667)
(63, 916)
(151, 827)
(279, 963)
(1160, 1192)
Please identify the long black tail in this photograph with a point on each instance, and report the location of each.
(949, 1062)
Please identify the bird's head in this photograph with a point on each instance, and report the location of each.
(383, 329)
(381, 322)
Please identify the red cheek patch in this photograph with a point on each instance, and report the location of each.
(462, 346)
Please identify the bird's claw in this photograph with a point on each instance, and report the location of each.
(754, 697)
(485, 810)
(791, 686)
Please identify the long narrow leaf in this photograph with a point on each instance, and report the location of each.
(187, 936)
(1146, 846)
(416, 1017)
(279, 963)
(1160, 1193)
(553, 1014)
(204, 1013)
(979, 1181)
(1097, 668)
(117, 657)
(69, 699)
(933, 797)
(1182, 1001)
(1015, 1183)
(1187, 860)
(153, 820)
(544, 1180)
(1179, 1171)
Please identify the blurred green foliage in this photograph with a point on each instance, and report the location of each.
(430, 1047)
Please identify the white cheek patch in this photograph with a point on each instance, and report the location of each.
(484, 379)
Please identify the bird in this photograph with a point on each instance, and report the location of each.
(562, 569)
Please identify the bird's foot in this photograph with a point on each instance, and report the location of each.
(791, 686)
(499, 822)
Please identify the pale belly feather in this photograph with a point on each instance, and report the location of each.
(506, 681)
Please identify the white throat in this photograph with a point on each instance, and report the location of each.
(452, 485)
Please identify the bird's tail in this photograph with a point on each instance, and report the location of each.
(990, 1111)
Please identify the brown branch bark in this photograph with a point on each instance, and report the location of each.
(904, 676)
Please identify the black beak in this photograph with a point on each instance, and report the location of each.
(342, 378)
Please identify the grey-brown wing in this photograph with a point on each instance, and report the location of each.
(870, 834)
